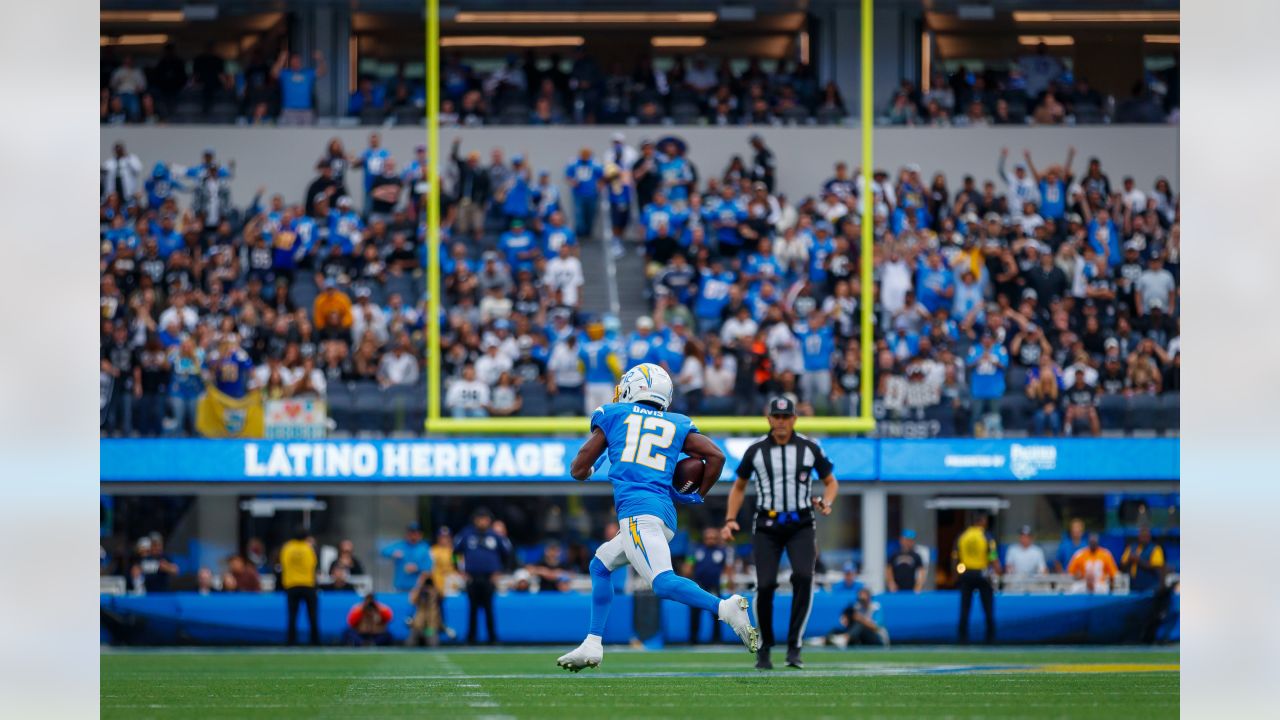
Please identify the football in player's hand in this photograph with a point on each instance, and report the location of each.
(688, 475)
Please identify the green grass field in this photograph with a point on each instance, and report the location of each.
(525, 683)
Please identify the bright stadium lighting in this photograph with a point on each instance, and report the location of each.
(1095, 16)
(1052, 40)
(141, 16)
(512, 41)
(676, 41)
(586, 17)
(1162, 39)
(120, 40)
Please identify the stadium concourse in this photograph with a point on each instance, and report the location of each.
(1034, 295)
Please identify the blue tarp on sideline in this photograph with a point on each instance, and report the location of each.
(250, 618)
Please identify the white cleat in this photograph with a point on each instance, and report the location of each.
(588, 654)
(733, 610)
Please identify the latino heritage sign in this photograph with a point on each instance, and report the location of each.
(547, 460)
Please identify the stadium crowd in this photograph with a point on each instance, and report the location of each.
(554, 90)
(1047, 301)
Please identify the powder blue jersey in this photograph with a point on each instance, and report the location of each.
(644, 445)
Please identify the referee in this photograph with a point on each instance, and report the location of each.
(782, 464)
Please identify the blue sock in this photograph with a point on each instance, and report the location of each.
(601, 596)
(671, 586)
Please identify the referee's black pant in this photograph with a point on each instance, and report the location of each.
(800, 541)
(971, 580)
(302, 595)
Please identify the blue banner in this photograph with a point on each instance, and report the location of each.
(427, 460)
(930, 617)
(547, 460)
(965, 460)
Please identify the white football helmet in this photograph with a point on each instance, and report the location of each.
(646, 381)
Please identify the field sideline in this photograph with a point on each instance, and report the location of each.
(525, 683)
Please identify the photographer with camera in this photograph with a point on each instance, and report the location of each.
(367, 623)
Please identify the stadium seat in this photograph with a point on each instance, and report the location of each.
(1089, 114)
(829, 116)
(369, 405)
(686, 115)
(303, 291)
(372, 116)
(567, 403)
(403, 286)
(409, 116)
(1112, 411)
(1016, 411)
(1142, 412)
(341, 403)
(1168, 416)
(405, 407)
(537, 402)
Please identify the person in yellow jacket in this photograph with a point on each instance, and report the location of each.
(298, 578)
(975, 553)
(332, 306)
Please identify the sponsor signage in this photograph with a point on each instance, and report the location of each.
(444, 460)
(962, 460)
(547, 460)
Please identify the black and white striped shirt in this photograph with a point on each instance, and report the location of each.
(782, 473)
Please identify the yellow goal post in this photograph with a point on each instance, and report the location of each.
(437, 424)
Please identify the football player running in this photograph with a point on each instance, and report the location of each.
(644, 441)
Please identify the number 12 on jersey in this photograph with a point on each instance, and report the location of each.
(646, 433)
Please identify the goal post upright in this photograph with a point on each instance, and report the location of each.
(437, 424)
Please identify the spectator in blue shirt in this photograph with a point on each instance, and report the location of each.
(680, 278)
(546, 197)
(346, 229)
(968, 306)
(585, 177)
(555, 234)
(642, 346)
(231, 369)
(186, 383)
(516, 195)
(161, 186)
(372, 161)
(600, 368)
(484, 553)
(935, 284)
(676, 172)
(412, 556)
(297, 87)
(712, 297)
(520, 247)
(671, 345)
(1072, 541)
(726, 214)
(367, 96)
(817, 346)
(820, 248)
(1104, 238)
(988, 362)
(1053, 186)
(618, 187)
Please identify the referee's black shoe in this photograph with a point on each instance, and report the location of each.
(762, 659)
(793, 660)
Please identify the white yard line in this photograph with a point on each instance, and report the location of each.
(477, 696)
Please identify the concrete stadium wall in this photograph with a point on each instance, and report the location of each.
(283, 159)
